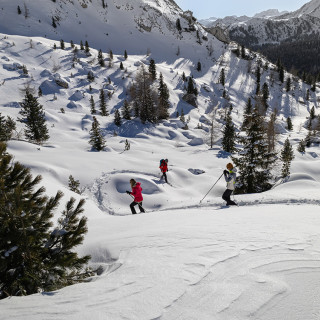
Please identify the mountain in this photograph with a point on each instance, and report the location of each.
(256, 260)
(292, 36)
(152, 24)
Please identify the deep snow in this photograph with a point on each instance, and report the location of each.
(181, 259)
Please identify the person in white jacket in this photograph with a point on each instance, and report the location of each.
(230, 177)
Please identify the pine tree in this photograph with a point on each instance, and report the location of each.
(54, 23)
(72, 44)
(152, 70)
(190, 88)
(81, 45)
(33, 257)
(92, 106)
(247, 114)
(288, 84)
(39, 92)
(312, 113)
(97, 140)
(199, 66)
(183, 76)
(289, 124)
(281, 73)
(127, 145)
(87, 48)
(286, 157)
(265, 94)
(103, 104)
(308, 95)
(126, 113)
(143, 96)
(90, 76)
(243, 52)
(229, 134)
(182, 117)
(125, 55)
(254, 162)
(62, 46)
(7, 126)
(301, 146)
(258, 75)
(117, 118)
(19, 10)
(101, 59)
(222, 77)
(121, 66)
(74, 184)
(178, 25)
(163, 99)
(271, 131)
(34, 119)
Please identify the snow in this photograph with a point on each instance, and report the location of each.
(182, 259)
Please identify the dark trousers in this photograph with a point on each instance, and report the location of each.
(133, 210)
(164, 174)
(226, 197)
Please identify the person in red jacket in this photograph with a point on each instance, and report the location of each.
(164, 168)
(136, 192)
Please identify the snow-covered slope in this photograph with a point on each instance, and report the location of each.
(138, 26)
(181, 259)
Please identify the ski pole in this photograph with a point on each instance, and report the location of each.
(211, 188)
(140, 206)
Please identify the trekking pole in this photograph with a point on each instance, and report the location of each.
(140, 206)
(211, 188)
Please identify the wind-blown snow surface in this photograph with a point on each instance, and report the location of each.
(180, 260)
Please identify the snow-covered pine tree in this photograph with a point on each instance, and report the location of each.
(126, 112)
(97, 140)
(163, 99)
(103, 104)
(34, 258)
(101, 59)
(286, 157)
(254, 162)
(229, 134)
(117, 118)
(34, 119)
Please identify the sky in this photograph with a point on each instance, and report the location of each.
(203, 9)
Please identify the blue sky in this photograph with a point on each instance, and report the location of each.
(217, 8)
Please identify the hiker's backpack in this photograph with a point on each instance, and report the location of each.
(161, 161)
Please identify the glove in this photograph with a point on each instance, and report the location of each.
(225, 172)
(128, 192)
